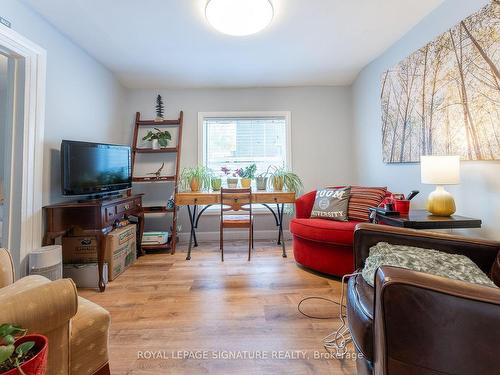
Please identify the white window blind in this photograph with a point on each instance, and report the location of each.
(236, 142)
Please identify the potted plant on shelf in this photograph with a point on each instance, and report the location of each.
(283, 178)
(247, 174)
(159, 138)
(196, 178)
(20, 353)
(232, 182)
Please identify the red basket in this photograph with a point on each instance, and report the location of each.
(38, 364)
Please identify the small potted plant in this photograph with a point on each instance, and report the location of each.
(283, 178)
(20, 353)
(196, 178)
(261, 180)
(247, 174)
(158, 138)
(216, 181)
(232, 182)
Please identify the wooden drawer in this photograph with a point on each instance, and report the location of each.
(183, 199)
(271, 198)
(124, 207)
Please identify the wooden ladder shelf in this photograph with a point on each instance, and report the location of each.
(163, 178)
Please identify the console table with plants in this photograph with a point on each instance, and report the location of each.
(198, 202)
(201, 189)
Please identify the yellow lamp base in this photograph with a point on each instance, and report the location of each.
(441, 203)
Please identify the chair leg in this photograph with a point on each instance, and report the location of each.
(249, 241)
(252, 235)
(222, 244)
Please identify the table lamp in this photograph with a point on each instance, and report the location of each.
(439, 171)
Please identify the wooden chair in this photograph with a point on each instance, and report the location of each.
(234, 200)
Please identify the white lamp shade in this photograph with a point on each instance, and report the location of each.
(239, 17)
(440, 170)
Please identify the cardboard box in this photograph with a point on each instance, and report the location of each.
(121, 250)
(79, 249)
(85, 275)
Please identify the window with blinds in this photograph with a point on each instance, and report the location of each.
(236, 142)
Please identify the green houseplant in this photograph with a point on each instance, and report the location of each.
(280, 178)
(21, 353)
(196, 178)
(247, 174)
(158, 138)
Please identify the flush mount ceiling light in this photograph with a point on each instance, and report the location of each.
(239, 17)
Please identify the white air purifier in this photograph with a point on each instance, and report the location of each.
(46, 261)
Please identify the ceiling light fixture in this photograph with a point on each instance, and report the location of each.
(239, 17)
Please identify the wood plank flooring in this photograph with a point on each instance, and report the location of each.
(192, 315)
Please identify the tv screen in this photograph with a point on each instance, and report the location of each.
(94, 168)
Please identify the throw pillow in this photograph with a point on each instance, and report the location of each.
(452, 266)
(362, 198)
(495, 270)
(331, 204)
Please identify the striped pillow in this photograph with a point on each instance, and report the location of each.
(362, 198)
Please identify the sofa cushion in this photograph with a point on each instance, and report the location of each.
(331, 204)
(362, 198)
(334, 232)
(360, 304)
(89, 338)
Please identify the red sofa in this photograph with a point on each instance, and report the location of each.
(322, 245)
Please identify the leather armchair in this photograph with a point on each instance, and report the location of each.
(77, 329)
(416, 323)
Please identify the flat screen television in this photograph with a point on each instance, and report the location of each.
(94, 168)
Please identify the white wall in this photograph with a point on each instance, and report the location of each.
(83, 99)
(320, 119)
(479, 193)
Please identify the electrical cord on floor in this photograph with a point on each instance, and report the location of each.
(336, 342)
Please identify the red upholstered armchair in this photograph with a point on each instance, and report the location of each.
(322, 245)
(325, 245)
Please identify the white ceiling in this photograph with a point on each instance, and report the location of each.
(169, 43)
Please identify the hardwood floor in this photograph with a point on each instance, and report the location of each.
(172, 309)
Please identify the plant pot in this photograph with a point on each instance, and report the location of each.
(246, 183)
(216, 184)
(194, 184)
(155, 145)
(36, 365)
(261, 183)
(232, 182)
(278, 183)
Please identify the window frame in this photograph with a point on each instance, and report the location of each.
(248, 114)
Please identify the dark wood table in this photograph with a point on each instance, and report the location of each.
(422, 219)
(93, 218)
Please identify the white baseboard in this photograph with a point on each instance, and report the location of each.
(235, 235)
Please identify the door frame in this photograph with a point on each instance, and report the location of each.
(31, 121)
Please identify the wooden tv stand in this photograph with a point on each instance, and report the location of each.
(93, 218)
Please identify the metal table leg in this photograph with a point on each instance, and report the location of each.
(194, 218)
(191, 234)
(278, 218)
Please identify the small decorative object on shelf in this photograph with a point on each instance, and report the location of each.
(21, 353)
(160, 109)
(159, 138)
(157, 174)
(170, 203)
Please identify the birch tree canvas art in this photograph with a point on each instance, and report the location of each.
(444, 99)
